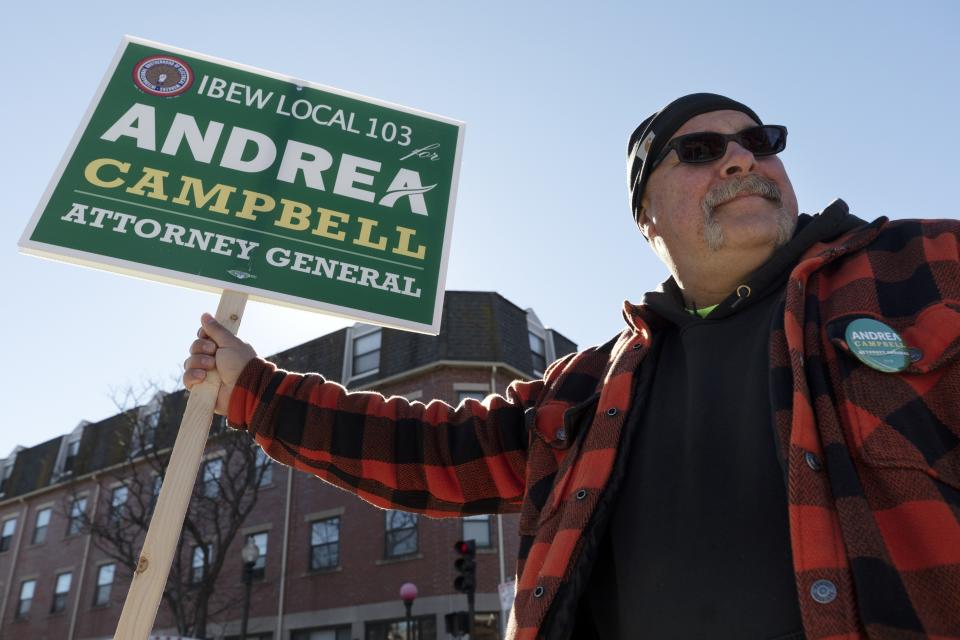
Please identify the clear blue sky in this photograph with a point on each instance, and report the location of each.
(549, 91)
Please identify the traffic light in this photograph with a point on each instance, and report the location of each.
(466, 566)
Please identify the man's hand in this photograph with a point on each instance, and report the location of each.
(216, 349)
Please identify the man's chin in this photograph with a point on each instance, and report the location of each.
(750, 226)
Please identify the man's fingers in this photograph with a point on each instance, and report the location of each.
(203, 346)
(215, 331)
(193, 376)
(199, 362)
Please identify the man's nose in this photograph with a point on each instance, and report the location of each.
(736, 160)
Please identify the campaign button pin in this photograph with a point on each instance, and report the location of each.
(877, 345)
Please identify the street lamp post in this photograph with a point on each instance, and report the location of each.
(250, 553)
(408, 593)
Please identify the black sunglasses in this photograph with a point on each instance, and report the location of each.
(707, 146)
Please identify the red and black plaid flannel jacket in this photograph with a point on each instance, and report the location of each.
(872, 459)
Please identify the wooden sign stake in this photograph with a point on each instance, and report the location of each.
(146, 589)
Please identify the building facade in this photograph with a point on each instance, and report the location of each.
(330, 566)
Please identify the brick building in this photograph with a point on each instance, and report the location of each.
(330, 565)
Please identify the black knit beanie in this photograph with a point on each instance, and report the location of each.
(649, 139)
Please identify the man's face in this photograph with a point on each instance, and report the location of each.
(691, 211)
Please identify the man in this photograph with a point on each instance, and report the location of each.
(770, 449)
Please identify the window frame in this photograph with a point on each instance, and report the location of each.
(487, 519)
(70, 457)
(75, 519)
(6, 474)
(37, 528)
(535, 355)
(355, 333)
(259, 567)
(389, 532)
(99, 587)
(196, 578)
(334, 543)
(155, 492)
(116, 511)
(58, 603)
(535, 329)
(208, 482)
(6, 540)
(265, 461)
(20, 614)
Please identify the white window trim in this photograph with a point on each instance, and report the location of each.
(536, 327)
(9, 463)
(472, 386)
(153, 407)
(255, 529)
(412, 395)
(15, 519)
(323, 515)
(96, 581)
(59, 473)
(358, 331)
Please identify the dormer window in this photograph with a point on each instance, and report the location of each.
(147, 424)
(7, 472)
(73, 448)
(149, 429)
(541, 344)
(538, 351)
(66, 463)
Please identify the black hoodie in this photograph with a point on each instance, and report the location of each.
(698, 543)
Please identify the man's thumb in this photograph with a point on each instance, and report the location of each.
(217, 332)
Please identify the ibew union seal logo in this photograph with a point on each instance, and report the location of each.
(162, 76)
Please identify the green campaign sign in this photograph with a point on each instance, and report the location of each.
(211, 174)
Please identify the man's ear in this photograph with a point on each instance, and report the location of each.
(644, 223)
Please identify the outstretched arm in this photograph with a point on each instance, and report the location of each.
(431, 458)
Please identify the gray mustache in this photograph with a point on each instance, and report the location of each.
(742, 185)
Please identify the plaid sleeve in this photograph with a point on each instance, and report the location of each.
(429, 458)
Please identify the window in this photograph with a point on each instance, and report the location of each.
(477, 528)
(401, 533)
(157, 483)
(60, 592)
(424, 628)
(325, 544)
(264, 467)
(259, 539)
(366, 353)
(476, 395)
(211, 477)
(118, 503)
(146, 429)
(197, 565)
(77, 511)
(73, 447)
(7, 472)
(27, 588)
(538, 351)
(338, 633)
(6, 538)
(104, 582)
(41, 526)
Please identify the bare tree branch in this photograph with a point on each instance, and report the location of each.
(220, 504)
